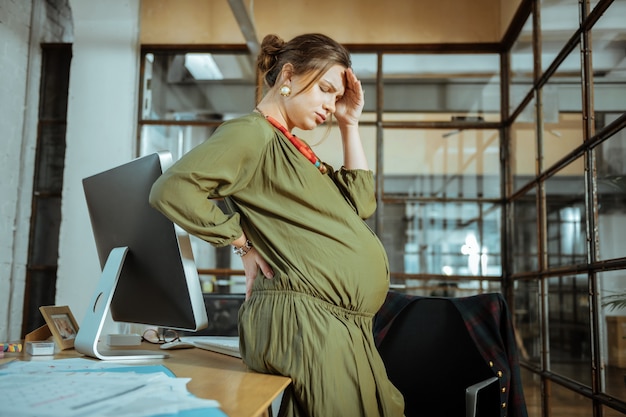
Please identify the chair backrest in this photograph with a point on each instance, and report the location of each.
(431, 358)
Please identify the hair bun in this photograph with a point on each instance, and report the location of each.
(271, 47)
(272, 44)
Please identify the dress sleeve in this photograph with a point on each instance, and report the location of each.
(215, 169)
(357, 186)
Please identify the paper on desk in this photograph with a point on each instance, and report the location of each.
(45, 364)
(77, 391)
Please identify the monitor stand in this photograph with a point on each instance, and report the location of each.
(90, 329)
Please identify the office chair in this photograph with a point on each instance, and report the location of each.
(432, 358)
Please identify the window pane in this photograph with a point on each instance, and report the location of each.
(327, 145)
(176, 139)
(559, 21)
(611, 168)
(609, 64)
(569, 327)
(462, 85)
(562, 111)
(448, 288)
(594, 3)
(565, 402)
(527, 320)
(197, 86)
(435, 163)
(522, 62)
(208, 257)
(443, 238)
(524, 147)
(365, 67)
(524, 236)
(565, 205)
(532, 392)
(609, 412)
(612, 286)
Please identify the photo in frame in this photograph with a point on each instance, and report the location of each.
(62, 325)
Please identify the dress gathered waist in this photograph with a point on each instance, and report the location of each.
(325, 304)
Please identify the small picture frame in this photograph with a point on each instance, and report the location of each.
(62, 325)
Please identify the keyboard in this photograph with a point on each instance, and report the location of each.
(227, 345)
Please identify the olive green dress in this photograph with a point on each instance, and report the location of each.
(313, 320)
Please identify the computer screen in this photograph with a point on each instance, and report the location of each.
(149, 275)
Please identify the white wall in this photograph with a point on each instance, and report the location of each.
(16, 153)
(101, 130)
(24, 25)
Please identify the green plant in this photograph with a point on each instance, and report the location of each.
(615, 301)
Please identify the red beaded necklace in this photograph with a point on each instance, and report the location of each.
(297, 142)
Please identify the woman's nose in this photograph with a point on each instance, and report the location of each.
(330, 106)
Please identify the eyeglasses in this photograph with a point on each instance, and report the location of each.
(153, 336)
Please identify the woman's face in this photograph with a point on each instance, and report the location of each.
(309, 108)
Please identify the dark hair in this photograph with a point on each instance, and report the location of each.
(309, 53)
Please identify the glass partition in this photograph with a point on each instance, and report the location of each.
(458, 87)
(532, 392)
(194, 86)
(611, 168)
(562, 111)
(524, 233)
(569, 327)
(609, 60)
(566, 224)
(612, 286)
(527, 320)
(575, 327)
(523, 147)
(447, 239)
(365, 66)
(559, 19)
(442, 163)
(326, 142)
(522, 62)
(177, 139)
(564, 402)
(611, 229)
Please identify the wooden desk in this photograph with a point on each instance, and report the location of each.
(240, 392)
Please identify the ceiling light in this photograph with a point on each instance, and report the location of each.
(202, 67)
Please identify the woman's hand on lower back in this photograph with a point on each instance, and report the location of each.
(252, 262)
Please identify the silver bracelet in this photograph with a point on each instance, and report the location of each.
(242, 250)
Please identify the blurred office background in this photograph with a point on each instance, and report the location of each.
(495, 129)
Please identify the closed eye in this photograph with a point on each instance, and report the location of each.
(328, 88)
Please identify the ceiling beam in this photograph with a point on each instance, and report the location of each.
(247, 27)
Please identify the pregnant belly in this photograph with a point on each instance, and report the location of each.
(367, 273)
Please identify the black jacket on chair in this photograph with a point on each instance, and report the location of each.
(434, 346)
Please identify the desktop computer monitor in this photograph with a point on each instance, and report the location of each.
(148, 272)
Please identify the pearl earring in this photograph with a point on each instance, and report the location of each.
(285, 91)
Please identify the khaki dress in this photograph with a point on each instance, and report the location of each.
(313, 320)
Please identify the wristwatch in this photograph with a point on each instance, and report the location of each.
(242, 250)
